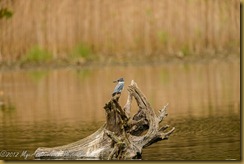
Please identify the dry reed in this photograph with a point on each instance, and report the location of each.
(120, 29)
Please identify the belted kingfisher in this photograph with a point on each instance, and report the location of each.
(119, 87)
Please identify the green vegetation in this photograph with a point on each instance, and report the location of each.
(185, 50)
(36, 55)
(5, 13)
(163, 37)
(82, 53)
(149, 12)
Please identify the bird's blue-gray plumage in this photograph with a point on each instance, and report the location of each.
(119, 87)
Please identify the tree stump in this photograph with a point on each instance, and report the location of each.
(121, 137)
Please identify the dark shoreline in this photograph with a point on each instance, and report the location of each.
(59, 64)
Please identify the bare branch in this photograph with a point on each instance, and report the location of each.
(162, 113)
(121, 137)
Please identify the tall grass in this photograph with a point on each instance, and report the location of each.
(120, 28)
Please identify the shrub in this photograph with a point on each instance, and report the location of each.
(82, 52)
(37, 55)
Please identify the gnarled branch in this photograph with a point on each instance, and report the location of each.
(122, 136)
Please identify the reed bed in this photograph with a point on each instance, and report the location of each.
(120, 29)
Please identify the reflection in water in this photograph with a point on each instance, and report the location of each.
(61, 106)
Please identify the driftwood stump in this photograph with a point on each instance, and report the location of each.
(121, 137)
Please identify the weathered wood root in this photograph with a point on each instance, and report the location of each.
(121, 137)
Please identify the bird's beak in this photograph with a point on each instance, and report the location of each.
(115, 81)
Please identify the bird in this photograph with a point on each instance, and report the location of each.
(119, 87)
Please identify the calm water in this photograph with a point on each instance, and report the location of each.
(57, 107)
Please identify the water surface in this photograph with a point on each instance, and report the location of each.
(56, 107)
